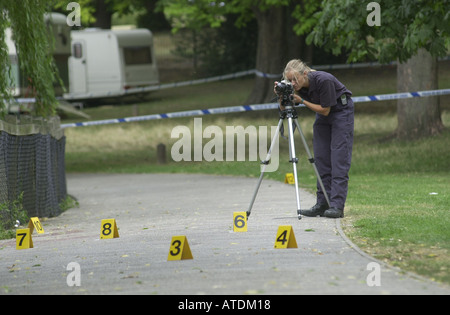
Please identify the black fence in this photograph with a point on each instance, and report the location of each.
(32, 154)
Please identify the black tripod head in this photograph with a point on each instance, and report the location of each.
(289, 112)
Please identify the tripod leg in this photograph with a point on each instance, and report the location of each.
(294, 161)
(311, 160)
(263, 168)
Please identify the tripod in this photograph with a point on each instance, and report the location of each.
(291, 114)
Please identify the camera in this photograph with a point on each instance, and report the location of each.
(284, 87)
(285, 91)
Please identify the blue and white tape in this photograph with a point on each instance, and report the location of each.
(396, 96)
(247, 108)
(146, 89)
(188, 113)
(152, 88)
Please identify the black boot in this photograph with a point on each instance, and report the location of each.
(334, 212)
(317, 210)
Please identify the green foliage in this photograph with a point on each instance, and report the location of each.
(86, 6)
(193, 15)
(305, 15)
(9, 213)
(34, 45)
(405, 27)
(4, 58)
(199, 13)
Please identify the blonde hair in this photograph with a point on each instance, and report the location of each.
(296, 65)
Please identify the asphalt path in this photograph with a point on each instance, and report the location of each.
(150, 209)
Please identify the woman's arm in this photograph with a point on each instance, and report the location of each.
(314, 107)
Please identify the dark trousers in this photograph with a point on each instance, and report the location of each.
(333, 142)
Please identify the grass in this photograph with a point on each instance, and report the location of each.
(10, 213)
(399, 194)
(403, 220)
(399, 203)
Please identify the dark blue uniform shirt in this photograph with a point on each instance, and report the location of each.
(325, 90)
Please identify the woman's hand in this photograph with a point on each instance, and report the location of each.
(275, 87)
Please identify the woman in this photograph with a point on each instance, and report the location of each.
(333, 132)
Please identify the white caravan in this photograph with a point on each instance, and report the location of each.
(110, 63)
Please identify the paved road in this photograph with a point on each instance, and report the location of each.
(150, 209)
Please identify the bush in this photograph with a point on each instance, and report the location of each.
(10, 212)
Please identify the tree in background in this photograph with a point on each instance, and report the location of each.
(26, 20)
(276, 41)
(99, 13)
(414, 32)
(218, 48)
(222, 34)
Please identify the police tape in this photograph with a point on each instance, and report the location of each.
(247, 108)
(151, 88)
(188, 113)
(396, 96)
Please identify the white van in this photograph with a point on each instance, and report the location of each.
(108, 63)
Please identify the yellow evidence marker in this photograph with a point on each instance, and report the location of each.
(239, 221)
(109, 229)
(285, 237)
(35, 224)
(23, 239)
(179, 248)
(289, 179)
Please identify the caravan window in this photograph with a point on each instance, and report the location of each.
(77, 51)
(137, 55)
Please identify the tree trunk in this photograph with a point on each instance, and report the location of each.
(419, 116)
(277, 44)
(103, 15)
